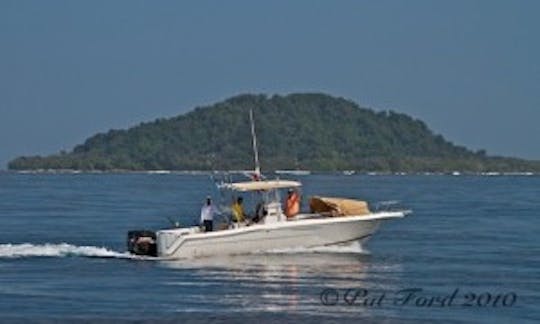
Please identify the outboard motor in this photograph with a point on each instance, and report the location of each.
(142, 242)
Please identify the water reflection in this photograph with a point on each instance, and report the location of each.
(282, 282)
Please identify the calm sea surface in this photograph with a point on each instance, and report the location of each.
(471, 250)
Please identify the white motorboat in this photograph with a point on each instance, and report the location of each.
(330, 221)
(273, 232)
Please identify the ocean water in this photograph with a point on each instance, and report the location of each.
(469, 253)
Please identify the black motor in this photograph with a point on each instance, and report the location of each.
(142, 242)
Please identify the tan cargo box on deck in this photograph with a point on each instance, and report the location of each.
(338, 206)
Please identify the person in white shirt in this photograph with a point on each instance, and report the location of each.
(207, 215)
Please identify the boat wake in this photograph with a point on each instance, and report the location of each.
(60, 250)
(26, 250)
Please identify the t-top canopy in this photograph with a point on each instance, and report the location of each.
(262, 185)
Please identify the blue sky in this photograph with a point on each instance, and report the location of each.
(69, 69)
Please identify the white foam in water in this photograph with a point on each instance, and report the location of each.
(25, 250)
(56, 250)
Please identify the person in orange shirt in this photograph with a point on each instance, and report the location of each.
(292, 204)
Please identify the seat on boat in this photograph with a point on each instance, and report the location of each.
(332, 206)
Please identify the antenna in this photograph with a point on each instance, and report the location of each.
(255, 151)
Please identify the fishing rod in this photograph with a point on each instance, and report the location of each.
(174, 223)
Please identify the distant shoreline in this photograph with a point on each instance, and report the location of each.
(276, 173)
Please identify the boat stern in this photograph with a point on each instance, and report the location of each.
(142, 242)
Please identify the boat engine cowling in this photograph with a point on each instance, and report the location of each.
(142, 242)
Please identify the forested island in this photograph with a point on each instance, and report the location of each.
(297, 131)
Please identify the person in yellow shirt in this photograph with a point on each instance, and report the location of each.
(238, 211)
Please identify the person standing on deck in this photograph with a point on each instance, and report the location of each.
(238, 211)
(207, 215)
(292, 204)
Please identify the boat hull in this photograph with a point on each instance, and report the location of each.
(178, 243)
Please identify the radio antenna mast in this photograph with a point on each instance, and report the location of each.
(255, 151)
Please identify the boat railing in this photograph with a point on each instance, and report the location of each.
(389, 206)
(309, 216)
